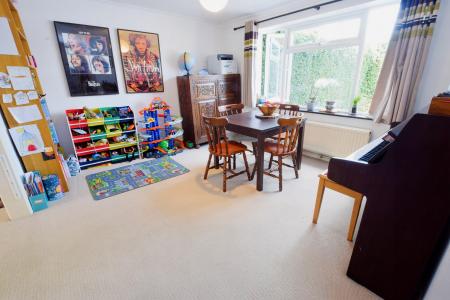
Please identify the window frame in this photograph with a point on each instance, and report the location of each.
(289, 50)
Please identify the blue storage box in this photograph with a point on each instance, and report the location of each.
(38, 202)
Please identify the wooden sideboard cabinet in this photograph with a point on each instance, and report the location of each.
(200, 95)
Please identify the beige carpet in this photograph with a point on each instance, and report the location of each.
(184, 239)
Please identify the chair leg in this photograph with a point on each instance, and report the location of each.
(355, 214)
(280, 173)
(254, 148)
(225, 162)
(234, 162)
(270, 161)
(294, 160)
(319, 197)
(229, 163)
(246, 166)
(207, 167)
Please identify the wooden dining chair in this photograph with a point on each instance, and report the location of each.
(233, 109)
(221, 147)
(288, 110)
(230, 109)
(284, 146)
(291, 110)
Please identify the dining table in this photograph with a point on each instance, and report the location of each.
(247, 123)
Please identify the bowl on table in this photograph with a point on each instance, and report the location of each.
(268, 109)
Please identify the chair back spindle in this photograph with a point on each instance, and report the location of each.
(230, 109)
(291, 110)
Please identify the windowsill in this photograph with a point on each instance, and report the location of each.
(339, 114)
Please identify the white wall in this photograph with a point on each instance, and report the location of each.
(436, 75)
(177, 34)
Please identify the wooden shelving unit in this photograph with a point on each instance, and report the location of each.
(33, 162)
(110, 137)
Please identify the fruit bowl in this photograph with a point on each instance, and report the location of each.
(268, 109)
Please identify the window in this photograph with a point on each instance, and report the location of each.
(334, 59)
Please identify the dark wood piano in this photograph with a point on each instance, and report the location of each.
(405, 176)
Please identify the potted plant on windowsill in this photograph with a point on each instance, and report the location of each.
(355, 102)
(310, 106)
(321, 84)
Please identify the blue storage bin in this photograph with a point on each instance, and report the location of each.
(38, 202)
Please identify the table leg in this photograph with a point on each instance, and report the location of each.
(301, 135)
(260, 164)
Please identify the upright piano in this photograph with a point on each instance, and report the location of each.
(405, 176)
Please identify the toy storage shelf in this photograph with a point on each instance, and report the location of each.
(103, 135)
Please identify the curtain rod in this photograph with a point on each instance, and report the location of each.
(316, 7)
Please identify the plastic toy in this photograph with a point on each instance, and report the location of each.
(76, 116)
(90, 114)
(164, 145)
(112, 127)
(129, 127)
(96, 131)
(119, 139)
(157, 131)
(101, 142)
(129, 152)
(80, 131)
(125, 112)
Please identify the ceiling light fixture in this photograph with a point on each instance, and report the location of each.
(214, 5)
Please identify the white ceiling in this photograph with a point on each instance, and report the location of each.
(234, 8)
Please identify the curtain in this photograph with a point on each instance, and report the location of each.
(250, 47)
(405, 59)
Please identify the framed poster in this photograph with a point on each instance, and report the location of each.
(87, 57)
(141, 61)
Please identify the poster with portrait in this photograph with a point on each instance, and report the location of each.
(141, 61)
(86, 53)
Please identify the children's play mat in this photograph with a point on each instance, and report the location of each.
(109, 183)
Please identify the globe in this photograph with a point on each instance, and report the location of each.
(186, 62)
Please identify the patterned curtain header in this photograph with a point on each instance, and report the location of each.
(251, 38)
(417, 12)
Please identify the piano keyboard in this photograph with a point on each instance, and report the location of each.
(373, 153)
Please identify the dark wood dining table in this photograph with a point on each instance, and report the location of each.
(248, 124)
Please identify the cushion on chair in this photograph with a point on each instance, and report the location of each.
(233, 148)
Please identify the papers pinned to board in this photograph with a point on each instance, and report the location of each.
(27, 139)
(21, 78)
(21, 98)
(25, 114)
(7, 98)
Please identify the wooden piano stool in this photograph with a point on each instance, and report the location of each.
(324, 182)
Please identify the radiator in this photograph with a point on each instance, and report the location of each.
(333, 140)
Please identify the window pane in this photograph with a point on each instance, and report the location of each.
(271, 64)
(378, 35)
(327, 32)
(336, 70)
